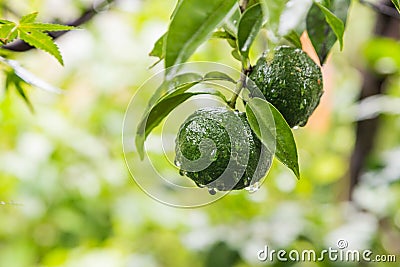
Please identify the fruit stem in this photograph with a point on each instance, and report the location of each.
(246, 68)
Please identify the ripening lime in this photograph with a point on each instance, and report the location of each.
(291, 81)
(216, 148)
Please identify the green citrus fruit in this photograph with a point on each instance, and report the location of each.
(291, 81)
(216, 148)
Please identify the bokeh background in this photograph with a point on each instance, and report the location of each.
(67, 198)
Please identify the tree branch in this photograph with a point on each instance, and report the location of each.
(87, 15)
(373, 84)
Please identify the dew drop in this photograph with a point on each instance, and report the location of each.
(212, 191)
(214, 155)
(253, 188)
(296, 127)
(181, 172)
(177, 163)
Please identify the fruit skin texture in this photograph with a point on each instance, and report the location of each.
(291, 81)
(208, 163)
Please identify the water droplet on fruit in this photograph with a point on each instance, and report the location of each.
(177, 163)
(213, 155)
(253, 188)
(212, 191)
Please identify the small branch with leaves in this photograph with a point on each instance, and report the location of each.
(87, 15)
(27, 34)
(33, 33)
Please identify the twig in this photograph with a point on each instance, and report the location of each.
(373, 84)
(245, 68)
(241, 84)
(383, 9)
(88, 14)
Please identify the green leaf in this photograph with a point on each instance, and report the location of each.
(169, 95)
(45, 27)
(231, 22)
(35, 34)
(218, 76)
(159, 48)
(28, 77)
(218, 94)
(160, 110)
(222, 35)
(262, 122)
(188, 80)
(236, 55)
(286, 149)
(8, 32)
(249, 26)
(12, 80)
(28, 22)
(24, 96)
(176, 8)
(184, 82)
(294, 38)
(4, 21)
(170, 85)
(42, 41)
(396, 3)
(173, 93)
(334, 22)
(320, 32)
(273, 9)
(193, 23)
(155, 116)
(28, 18)
(258, 111)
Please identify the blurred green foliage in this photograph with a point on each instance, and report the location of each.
(67, 198)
